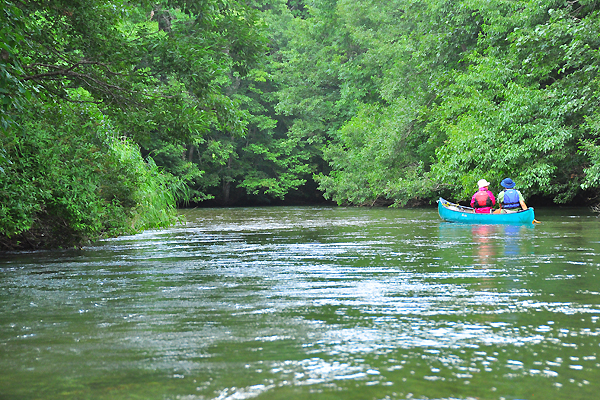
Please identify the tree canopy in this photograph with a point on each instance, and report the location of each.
(231, 102)
(461, 90)
(91, 91)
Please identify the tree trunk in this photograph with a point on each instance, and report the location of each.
(227, 183)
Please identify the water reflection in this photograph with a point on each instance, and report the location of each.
(483, 237)
(512, 238)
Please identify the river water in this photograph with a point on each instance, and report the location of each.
(309, 303)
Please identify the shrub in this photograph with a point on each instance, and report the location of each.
(70, 178)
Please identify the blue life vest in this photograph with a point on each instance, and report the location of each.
(511, 199)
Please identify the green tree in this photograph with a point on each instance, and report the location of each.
(399, 56)
(151, 74)
(526, 103)
(72, 178)
(258, 160)
(456, 91)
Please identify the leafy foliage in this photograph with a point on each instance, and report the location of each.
(151, 74)
(132, 107)
(457, 91)
(520, 109)
(13, 93)
(75, 179)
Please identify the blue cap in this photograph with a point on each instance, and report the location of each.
(507, 183)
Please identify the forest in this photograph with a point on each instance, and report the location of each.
(115, 112)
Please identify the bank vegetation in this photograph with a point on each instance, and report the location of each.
(116, 112)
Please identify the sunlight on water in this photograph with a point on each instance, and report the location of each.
(309, 303)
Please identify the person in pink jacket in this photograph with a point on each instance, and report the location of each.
(483, 200)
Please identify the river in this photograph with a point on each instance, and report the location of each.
(315, 303)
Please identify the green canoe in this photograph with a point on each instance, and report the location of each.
(456, 213)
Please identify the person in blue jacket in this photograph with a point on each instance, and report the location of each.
(510, 199)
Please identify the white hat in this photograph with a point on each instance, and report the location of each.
(483, 183)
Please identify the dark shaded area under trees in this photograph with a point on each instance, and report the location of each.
(116, 112)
